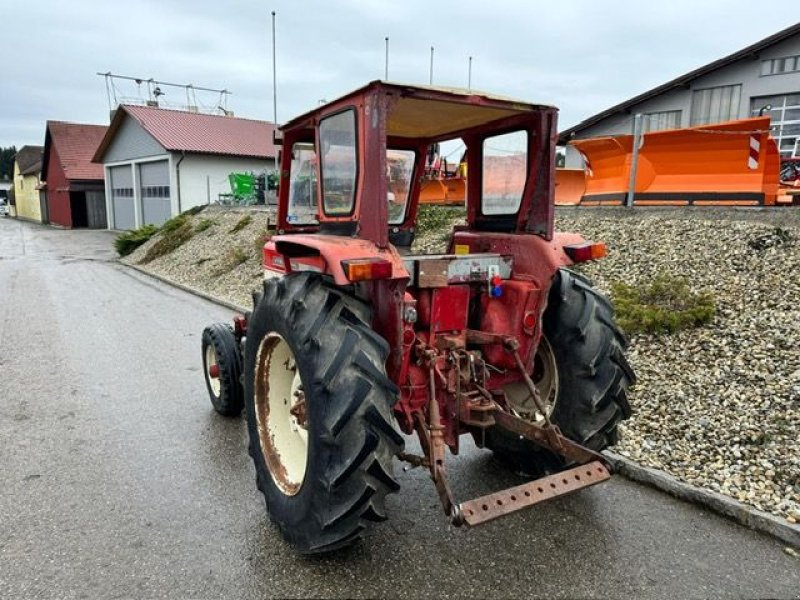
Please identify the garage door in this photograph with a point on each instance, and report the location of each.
(154, 183)
(122, 197)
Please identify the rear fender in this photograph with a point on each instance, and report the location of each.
(285, 254)
(534, 257)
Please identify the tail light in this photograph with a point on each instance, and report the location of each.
(362, 269)
(587, 251)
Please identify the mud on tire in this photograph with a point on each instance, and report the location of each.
(593, 376)
(352, 437)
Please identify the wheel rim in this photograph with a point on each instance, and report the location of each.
(212, 370)
(280, 414)
(545, 378)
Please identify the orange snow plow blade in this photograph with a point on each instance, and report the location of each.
(570, 186)
(730, 164)
(447, 191)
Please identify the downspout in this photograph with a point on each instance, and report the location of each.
(178, 179)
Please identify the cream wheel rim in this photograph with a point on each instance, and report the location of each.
(280, 409)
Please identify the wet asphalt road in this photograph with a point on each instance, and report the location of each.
(118, 480)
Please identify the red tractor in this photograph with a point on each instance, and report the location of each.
(354, 341)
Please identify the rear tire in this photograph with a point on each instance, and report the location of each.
(593, 376)
(221, 350)
(351, 435)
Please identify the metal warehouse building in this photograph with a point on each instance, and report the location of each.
(762, 77)
(160, 162)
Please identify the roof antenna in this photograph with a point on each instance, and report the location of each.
(469, 75)
(274, 77)
(431, 73)
(386, 67)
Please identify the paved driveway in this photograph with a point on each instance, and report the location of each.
(118, 480)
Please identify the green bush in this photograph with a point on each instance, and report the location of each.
(665, 305)
(241, 224)
(174, 233)
(173, 224)
(130, 240)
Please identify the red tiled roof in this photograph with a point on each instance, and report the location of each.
(75, 144)
(206, 134)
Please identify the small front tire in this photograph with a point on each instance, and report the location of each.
(222, 369)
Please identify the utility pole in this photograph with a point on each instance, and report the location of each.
(637, 137)
(430, 80)
(386, 66)
(469, 75)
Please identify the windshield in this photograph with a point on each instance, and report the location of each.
(400, 167)
(505, 169)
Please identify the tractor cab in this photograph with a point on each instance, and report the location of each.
(355, 167)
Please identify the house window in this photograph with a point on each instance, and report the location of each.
(785, 126)
(779, 66)
(155, 191)
(668, 119)
(714, 105)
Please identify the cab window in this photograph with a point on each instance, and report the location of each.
(505, 170)
(338, 163)
(302, 209)
(400, 169)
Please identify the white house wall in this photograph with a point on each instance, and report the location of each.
(746, 72)
(203, 178)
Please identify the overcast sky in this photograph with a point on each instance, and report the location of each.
(582, 56)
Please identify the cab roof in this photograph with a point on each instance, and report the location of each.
(427, 112)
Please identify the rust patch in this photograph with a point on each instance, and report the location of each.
(261, 392)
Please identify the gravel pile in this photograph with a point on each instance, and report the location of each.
(210, 260)
(719, 406)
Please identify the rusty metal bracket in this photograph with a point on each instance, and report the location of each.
(483, 509)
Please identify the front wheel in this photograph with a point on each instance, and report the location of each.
(222, 369)
(318, 403)
(581, 373)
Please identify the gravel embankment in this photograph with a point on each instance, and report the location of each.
(719, 406)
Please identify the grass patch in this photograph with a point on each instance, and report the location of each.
(665, 305)
(259, 241)
(174, 233)
(437, 219)
(203, 224)
(130, 240)
(241, 224)
(233, 258)
(195, 210)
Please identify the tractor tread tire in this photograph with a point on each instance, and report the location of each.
(231, 397)
(352, 433)
(593, 372)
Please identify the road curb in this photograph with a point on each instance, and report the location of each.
(719, 503)
(723, 505)
(186, 288)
